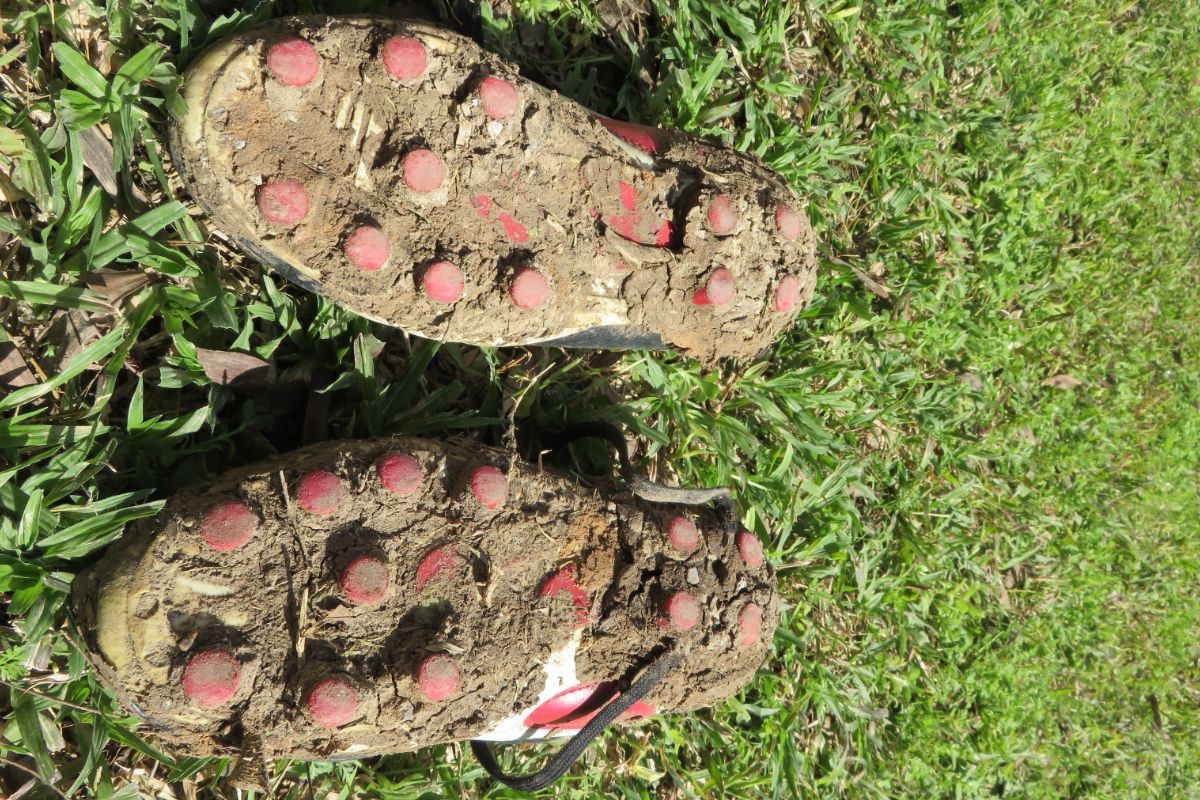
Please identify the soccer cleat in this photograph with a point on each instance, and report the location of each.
(398, 169)
(360, 598)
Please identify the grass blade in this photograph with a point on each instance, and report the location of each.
(77, 70)
(97, 350)
(50, 294)
(26, 714)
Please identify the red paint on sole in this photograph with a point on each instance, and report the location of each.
(529, 288)
(437, 561)
(367, 248)
(683, 535)
(365, 580)
(573, 708)
(424, 171)
(682, 610)
(404, 57)
(319, 492)
(787, 222)
(332, 702)
(514, 230)
(564, 581)
(722, 218)
(628, 195)
(717, 291)
(293, 62)
(498, 98)
(643, 137)
(227, 525)
(211, 678)
(399, 473)
(663, 237)
(749, 625)
(625, 225)
(282, 202)
(442, 282)
(438, 677)
(483, 206)
(489, 486)
(750, 549)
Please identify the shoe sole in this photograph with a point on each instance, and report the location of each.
(359, 598)
(398, 169)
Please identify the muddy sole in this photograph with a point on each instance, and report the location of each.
(408, 175)
(357, 598)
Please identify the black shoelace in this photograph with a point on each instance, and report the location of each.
(722, 500)
(557, 766)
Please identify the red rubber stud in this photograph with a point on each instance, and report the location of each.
(399, 473)
(282, 202)
(529, 288)
(683, 610)
(489, 486)
(750, 549)
(749, 624)
(787, 293)
(722, 218)
(227, 525)
(442, 282)
(365, 580)
(424, 171)
(438, 677)
(367, 248)
(683, 535)
(293, 62)
(404, 57)
(319, 492)
(787, 222)
(717, 291)
(498, 98)
(332, 702)
(211, 678)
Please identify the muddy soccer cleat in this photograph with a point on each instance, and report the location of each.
(417, 180)
(358, 598)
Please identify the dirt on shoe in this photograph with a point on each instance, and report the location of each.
(412, 177)
(356, 598)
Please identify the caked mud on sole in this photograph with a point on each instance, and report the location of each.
(355, 598)
(418, 180)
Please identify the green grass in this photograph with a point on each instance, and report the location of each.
(991, 580)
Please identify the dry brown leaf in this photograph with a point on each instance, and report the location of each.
(238, 371)
(1062, 381)
(971, 381)
(875, 287)
(117, 285)
(623, 15)
(70, 331)
(98, 157)
(13, 371)
(1026, 435)
(88, 30)
(9, 191)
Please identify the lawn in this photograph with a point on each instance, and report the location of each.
(975, 460)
